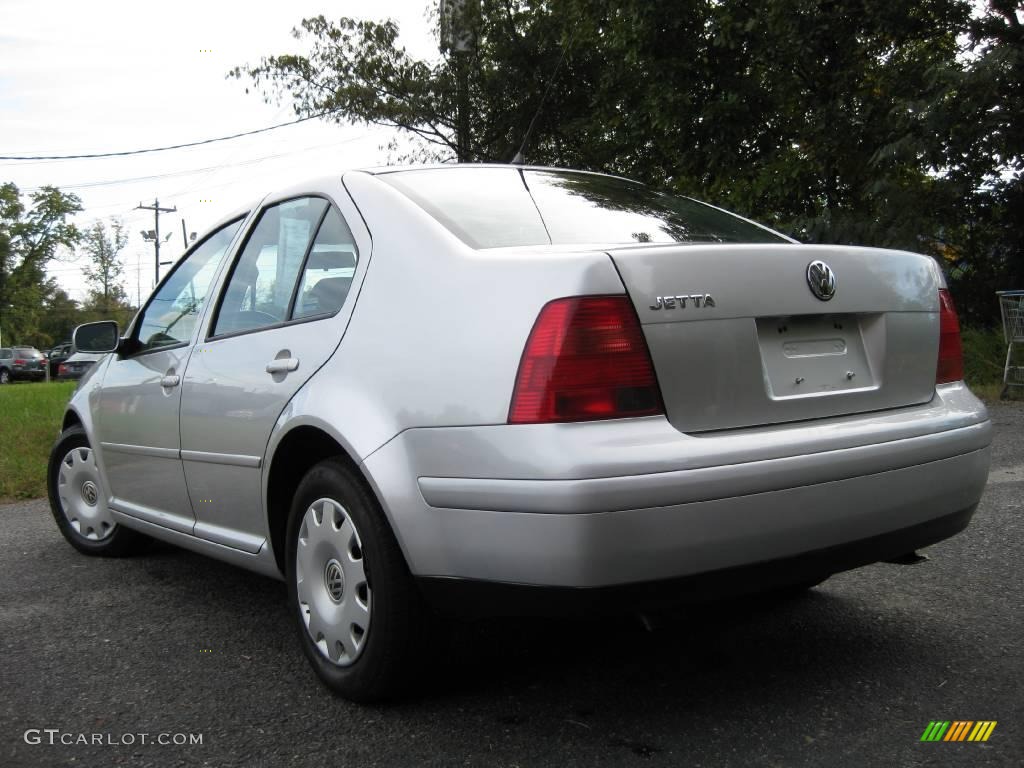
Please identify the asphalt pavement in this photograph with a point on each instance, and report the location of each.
(173, 646)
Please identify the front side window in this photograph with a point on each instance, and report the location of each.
(171, 315)
(260, 289)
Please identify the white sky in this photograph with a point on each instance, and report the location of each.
(82, 77)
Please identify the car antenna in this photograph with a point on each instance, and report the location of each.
(519, 159)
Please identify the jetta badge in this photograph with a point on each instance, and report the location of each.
(821, 279)
(697, 300)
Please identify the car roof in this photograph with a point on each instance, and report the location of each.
(311, 183)
(385, 169)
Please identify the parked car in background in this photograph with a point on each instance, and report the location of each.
(76, 366)
(519, 390)
(58, 355)
(22, 363)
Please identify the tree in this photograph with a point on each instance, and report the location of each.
(104, 268)
(982, 125)
(60, 315)
(29, 238)
(838, 121)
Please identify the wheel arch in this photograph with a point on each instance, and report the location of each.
(71, 419)
(294, 454)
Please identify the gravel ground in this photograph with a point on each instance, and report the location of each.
(849, 675)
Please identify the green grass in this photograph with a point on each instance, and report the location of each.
(984, 357)
(30, 416)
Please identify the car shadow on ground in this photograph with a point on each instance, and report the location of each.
(763, 650)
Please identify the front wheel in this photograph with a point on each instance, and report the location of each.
(5, 376)
(79, 503)
(358, 613)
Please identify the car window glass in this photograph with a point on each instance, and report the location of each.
(173, 311)
(502, 207)
(328, 272)
(588, 208)
(260, 289)
(484, 207)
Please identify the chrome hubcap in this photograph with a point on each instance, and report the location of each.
(330, 577)
(81, 500)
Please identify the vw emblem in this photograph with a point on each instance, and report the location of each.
(90, 493)
(334, 580)
(822, 280)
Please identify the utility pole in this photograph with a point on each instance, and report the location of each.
(459, 22)
(157, 210)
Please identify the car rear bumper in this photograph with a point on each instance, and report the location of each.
(597, 505)
(476, 597)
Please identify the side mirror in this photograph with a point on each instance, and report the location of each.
(97, 338)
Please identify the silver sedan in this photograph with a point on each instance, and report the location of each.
(501, 389)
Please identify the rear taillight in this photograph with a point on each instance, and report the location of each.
(951, 356)
(62, 369)
(586, 358)
(18, 361)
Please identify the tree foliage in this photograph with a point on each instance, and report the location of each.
(104, 268)
(30, 236)
(894, 123)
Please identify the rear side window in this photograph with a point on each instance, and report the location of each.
(327, 274)
(501, 207)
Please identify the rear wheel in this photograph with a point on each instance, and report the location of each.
(358, 613)
(79, 502)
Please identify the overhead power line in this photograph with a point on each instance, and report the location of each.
(195, 171)
(170, 147)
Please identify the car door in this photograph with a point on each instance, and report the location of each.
(277, 321)
(141, 392)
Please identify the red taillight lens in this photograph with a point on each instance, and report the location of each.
(951, 355)
(18, 361)
(61, 369)
(586, 359)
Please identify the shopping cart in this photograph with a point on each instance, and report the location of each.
(1011, 306)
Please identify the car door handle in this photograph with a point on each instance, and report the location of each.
(170, 381)
(283, 365)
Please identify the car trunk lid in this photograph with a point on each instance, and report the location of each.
(739, 338)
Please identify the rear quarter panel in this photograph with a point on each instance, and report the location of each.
(438, 329)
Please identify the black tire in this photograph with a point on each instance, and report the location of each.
(5, 376)
(386, 665)
(118, 541)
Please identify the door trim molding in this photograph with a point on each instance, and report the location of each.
(231, 459)
(142, 450)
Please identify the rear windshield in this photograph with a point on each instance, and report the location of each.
(501, 207)
(27, 352)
